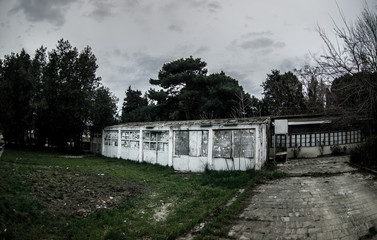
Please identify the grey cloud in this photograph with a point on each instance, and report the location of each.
(107, 8)
(175, 28)
(257, 43)
(149, 64)
(201, 50)
(258, 34)
(260, 44)
(211, 6)
(288, 64)
(214, 7)
(100, 13)
(52, 11)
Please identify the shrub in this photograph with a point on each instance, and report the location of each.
(336, 150)
(365, 154)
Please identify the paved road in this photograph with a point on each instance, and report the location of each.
(309, 205)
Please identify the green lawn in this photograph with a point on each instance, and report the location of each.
(47, 196)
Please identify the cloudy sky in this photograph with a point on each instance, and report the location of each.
(132, 39)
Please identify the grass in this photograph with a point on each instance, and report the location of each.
(152, 202)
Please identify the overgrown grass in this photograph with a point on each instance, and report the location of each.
(187, 199)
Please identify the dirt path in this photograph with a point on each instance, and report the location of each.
(323, 198)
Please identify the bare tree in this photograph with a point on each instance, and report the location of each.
(315, 88)
(352, 62)
(359, 50)
(241, 109)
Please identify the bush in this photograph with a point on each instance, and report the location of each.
(336, 150)
(365, 154)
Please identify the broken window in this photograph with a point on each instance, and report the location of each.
(233, 143)
(155, 140)
(111, 138)
(130, 139)
(191, 143)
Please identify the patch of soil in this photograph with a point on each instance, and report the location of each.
(80, 193)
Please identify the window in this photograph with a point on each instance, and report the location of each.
(307, 141)
(111, 138)
(234, 143)
(303, 140)
(130, 139)
(155, 140)
(191, 143)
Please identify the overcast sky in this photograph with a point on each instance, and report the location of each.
(132, 39)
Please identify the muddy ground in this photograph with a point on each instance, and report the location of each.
(67, 192)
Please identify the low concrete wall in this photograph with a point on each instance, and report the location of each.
(311, 152)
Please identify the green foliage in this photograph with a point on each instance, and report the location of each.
(103, 109)
(283, 94)
(188, 93)
(365, 154)
(134, 105)
(16, 93)
(57, 95)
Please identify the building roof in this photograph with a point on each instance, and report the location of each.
(202, 122)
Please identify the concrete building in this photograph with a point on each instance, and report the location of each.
(218, 144)
(226, 144)
(311, 136)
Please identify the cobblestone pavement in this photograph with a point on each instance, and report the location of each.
(339, 205)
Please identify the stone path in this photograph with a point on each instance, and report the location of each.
(340, 204)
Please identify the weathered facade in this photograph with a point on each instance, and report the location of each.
(219, 144)
(312, 136)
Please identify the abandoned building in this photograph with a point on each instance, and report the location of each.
(312, 136)
(225, 144)
(219, 144)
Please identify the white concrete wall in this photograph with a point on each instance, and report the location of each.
(186, 162)
(312, 152)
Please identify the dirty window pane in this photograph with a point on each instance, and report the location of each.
(181, 145)
(130, 139)
(155, 140)
(204, 143)
(236, 143)
(146, 136)
(198, 143)
(111, 138)
(134, 144)
(153, 146)
(163, 136)
(303, 140)
(243, 144)
(307, 140)
(282, 143)
(222, 143)
(358, 136)
(192, 143)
